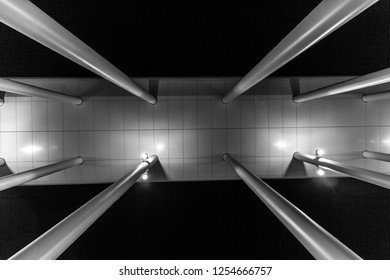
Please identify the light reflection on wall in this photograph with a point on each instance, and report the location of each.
(160, 147)
(281, 144)
(31, 149)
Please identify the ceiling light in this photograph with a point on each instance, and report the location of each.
(144, 156)
(320, 153)
(145, 176)
(320, 172)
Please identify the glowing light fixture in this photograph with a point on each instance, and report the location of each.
(144, 156)
(320, 172)
(320, 153)
(145, 176)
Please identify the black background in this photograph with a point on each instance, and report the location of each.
(147, 38)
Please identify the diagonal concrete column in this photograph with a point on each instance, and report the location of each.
(376, 155)
(369, 80)
(328, 16)
(320, 243)
(55, 241)
(17, 179)
(29, 90)
(372, 177)
(28, 19)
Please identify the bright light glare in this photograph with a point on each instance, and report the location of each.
(144, 156)
(280, 144)
(160, 147)
(31, 149)
(320, 152)
(145, 177)
(320, 172)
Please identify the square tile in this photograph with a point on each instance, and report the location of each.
(219, 142)
(71, 114)
(175, 114)
(145, 115)
(161, 115)
(40, 144)
(204, 114)
(247, 142)
(204, 143)
(132, 148)
(218, 114)
(261, 113)
(176, 144)
(275, 113)
(101, 116)
(116, 115)
(117, 145)
(23, 116)
(131, 120)
(56, 146)
(55, 116)
(190, 143)
(39, 116)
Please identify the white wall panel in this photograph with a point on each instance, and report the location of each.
(160, 115)
(40, 143)
(55, 116)
(55, 146)
(189, 129)
(176, 145)
(261, 113)
(190, 143)
(175, 114)
(132, 146)
(145, 115)
(131, 118)
(247, 113)
(116, 115)
(23, 116)
(204, 113)
(190, 114)
(39, 116)
(275, 113)
(218, 114)
(8, 116)
(289, 113)
(233, 114)
(86, 116)
(101, 116)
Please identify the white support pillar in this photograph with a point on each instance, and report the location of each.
(369, 80)
(376, 155)
(365, 175)
(320, 243)
(55, 241)
(29, 90)
(17, 179)
(28, 19)
(328, 16)
(376, 96)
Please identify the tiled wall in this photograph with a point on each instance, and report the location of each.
(189, 129)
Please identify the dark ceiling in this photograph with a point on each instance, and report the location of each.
(197, 38)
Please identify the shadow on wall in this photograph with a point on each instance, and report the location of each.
(295, 167)
(5, 170)
(100, 89)
(157, 172)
